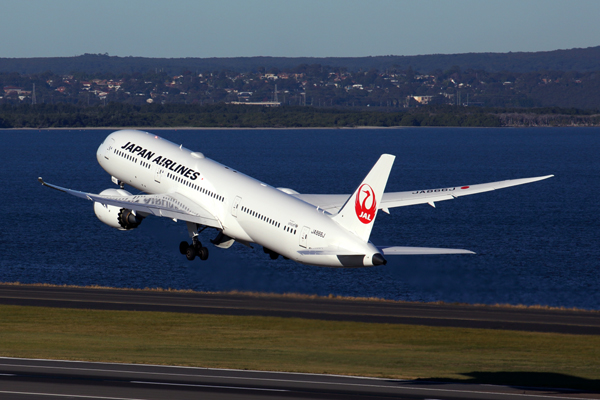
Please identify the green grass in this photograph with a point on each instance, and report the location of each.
(291, 344)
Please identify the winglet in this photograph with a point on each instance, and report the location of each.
(50, 186)
(358, 213)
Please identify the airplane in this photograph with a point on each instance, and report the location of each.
(315, 229)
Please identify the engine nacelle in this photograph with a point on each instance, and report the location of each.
(117, 217)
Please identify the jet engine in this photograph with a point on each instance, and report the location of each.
(117, 217)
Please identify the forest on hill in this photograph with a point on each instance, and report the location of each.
(580, 60)
(241, 116)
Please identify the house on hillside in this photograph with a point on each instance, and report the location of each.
(422, 99)
(12, 90)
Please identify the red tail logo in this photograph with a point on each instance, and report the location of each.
(365, 204)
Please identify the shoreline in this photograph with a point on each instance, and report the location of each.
(144, 128)
(216, 128)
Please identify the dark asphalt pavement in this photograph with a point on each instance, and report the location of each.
(25, 379)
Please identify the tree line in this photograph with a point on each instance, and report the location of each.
(564, 60)
(243, 116)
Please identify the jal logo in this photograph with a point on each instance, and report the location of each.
(366, 204)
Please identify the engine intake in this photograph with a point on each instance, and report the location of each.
(128, 220)
(122, 219)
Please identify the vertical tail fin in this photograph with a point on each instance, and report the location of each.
(360, 210)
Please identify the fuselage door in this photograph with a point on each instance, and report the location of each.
(235, 206)
(157, 172)
(304, 237)
(110, 144)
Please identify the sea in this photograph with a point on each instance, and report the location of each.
(536, 244)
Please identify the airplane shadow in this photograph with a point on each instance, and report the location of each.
(542, 381)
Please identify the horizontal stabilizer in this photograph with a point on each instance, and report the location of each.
(328, 251)
(388, 251)
(414, 251)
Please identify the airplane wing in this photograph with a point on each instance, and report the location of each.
(328, 202)
(174, 205)
(333, 202)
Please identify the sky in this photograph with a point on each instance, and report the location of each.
(293, 28)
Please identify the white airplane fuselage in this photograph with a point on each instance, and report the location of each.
(248, 210)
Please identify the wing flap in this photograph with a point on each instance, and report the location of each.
(391, 202)
(174, 205)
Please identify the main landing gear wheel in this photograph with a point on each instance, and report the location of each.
(183, 246)
(192, 251)
(203, 253)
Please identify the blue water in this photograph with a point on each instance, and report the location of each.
(535, 244)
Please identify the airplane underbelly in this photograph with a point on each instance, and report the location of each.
(234, 230)
(336, 261)
(270, 237)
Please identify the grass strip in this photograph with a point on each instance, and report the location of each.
(301, 345)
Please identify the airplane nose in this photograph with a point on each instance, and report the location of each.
(378, 259)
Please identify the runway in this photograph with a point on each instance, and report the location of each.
(46, 379)
(447, 315)
(22, 379)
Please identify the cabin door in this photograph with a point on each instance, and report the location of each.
(158, 171)
(235, 206)
(304, 237)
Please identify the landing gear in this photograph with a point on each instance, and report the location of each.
(183, 246)
(190, 253)
(203, 253)
(195, 249)
(271, 253)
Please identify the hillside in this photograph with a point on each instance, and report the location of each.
(580, 60)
